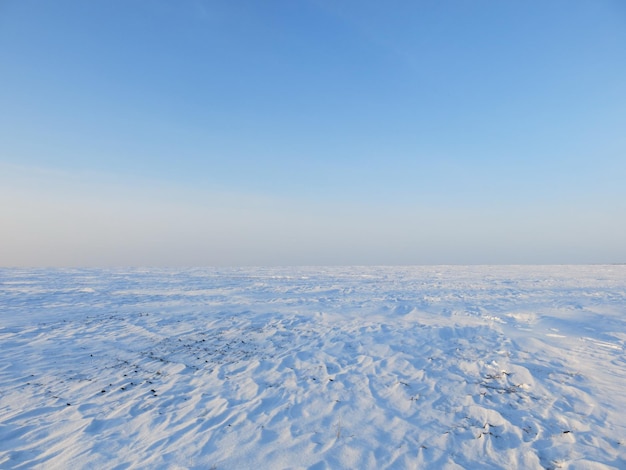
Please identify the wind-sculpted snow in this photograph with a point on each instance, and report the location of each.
(320, 368)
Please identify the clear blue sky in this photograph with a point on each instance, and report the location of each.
(149, 132)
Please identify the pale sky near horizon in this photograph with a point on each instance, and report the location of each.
(186, 133)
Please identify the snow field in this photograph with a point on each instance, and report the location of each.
(319, 368)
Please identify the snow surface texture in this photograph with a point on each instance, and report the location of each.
(319, 368)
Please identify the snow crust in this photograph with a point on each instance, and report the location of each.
(319, 368)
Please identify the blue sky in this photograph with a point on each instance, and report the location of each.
(312, 132)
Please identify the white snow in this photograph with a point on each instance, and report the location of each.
(319, 368)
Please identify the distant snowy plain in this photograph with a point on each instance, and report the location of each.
(319, 368)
